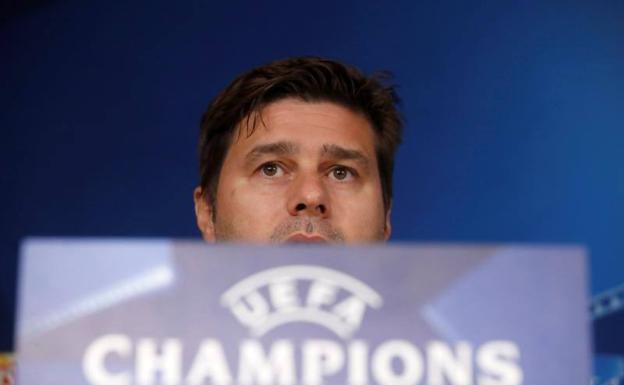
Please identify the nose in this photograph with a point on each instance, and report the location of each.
(308, 196)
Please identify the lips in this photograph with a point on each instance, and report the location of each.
(303, 238)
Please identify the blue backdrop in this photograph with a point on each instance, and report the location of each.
(514, 115)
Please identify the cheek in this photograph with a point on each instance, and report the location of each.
(254, 203)
(248, 214)
(361, 214)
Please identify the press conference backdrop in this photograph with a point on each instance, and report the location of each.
(514, 115)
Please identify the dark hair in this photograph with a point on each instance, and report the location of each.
(310, 79)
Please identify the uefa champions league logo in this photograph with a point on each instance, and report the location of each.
(311, 294)
(327, 298)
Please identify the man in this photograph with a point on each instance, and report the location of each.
(299, 150)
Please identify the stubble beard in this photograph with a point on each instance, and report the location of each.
(227, 231)
(306, 225)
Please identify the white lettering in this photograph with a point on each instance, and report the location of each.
(93, 362)
(251, 310)
(442, 363)
(408, 354)
(107, 361)
(284, 295)
(209, 363)
(499, 362)
(149, 362)
(321, 293)
(254, 368)
(321, 358)
(358, 358)
(351, 311)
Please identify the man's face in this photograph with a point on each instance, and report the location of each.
(309, 174)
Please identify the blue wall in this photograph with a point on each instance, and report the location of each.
(515, 115)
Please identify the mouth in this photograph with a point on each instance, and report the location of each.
(303, 238)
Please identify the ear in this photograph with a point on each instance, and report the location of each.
(204, 213)
(387, 225)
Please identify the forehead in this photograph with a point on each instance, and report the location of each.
(308, 124)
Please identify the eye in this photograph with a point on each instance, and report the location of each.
(271, 169)
(342, 173)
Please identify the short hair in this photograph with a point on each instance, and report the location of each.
(311, 79)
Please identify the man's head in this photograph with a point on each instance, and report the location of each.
(298, 150)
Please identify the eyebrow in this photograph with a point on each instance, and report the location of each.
(277, 148)
(281, 148)
(338, 152)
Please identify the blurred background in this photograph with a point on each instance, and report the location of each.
(514, 120)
